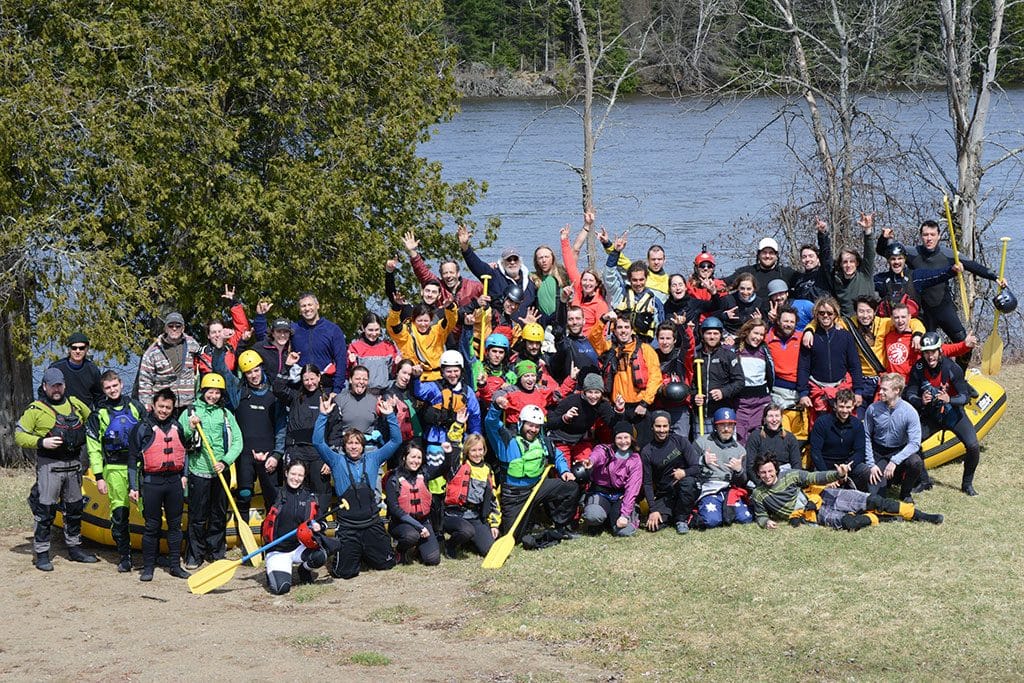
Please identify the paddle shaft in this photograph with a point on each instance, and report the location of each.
(956, 261)
(992, 352)
(483, 321)
(501, 546)
(700, 391)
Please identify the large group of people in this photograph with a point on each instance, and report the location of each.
(637, 397)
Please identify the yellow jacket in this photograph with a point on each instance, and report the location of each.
(423, 349)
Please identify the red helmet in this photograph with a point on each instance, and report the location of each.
(305, 534)
(704, 257)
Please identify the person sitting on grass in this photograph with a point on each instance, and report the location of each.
(616, 478)
(409, 501)
(471, 510)
(781, 499)
(670, 467)
(360, 527)
(722, 475)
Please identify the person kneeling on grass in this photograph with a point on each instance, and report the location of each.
(780, 499)
(409, 501)
(360, 528)
(294, 508)
(471, 509)
(616, 478)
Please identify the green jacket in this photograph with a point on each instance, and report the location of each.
(39, 419)
(95, 434)
(221, 431)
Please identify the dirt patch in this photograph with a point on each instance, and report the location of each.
(87, 622)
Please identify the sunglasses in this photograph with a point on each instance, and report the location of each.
(826, 314)
(512, 259)
(78, 347)
(175, 326)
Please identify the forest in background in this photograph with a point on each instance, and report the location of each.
(701, 46)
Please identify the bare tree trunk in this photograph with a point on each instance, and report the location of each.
(589, 139)
(15, 383)
(969, 105)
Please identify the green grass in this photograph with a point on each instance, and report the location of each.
(309, 592)
(393, 614)
(369, 659)
(312, 642)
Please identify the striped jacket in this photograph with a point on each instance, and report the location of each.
(156, 372)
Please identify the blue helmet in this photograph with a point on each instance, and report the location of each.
(725, 415)
(711, 323)
(496, 340)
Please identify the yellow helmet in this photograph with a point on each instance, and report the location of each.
(212, 380)
(249, 360)
(532, 332)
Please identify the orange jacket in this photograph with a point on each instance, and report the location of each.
(622, 382)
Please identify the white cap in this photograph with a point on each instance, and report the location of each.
(768, 243)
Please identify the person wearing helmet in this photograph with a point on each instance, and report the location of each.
(901, 284)
(262, 420)
(224, 336)
(207, 502)
(294, 508)
(585, 285)
(572, 421)
(375, 352)
(573, 348)
(779, 298)
(421, 337)
(528, 391)
(939, 391)
(814, 281)
(674, 345)
(892, 440)
(938, 306)
(853, 271)
(360, 533)
(631, 297)
(493, 371)
(722, 376)
(508, 272)
(703, 288)
(781, 497)
(766, 267)
(523, 452)
(107, 439)
(670, 468)
(631, 371)
(616, 480)
(723, 474)
(169, 362)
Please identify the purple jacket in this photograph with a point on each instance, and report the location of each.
(618, 474)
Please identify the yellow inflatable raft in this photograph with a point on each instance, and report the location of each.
(984, 411)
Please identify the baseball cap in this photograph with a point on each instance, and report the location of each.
(768, 243)
(174, 318)
(53, 376)
(509, 252)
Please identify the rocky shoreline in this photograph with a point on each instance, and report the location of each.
(482, 81)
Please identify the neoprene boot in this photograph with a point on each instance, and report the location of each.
(920, 516)
(855, 522)
(306, 575)
(147, 574)
(76, 554)
(124, 565)
(968, 487)
(43, 563)
(178, 572)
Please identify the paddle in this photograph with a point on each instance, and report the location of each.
(241, 525)
(992, 352)
(956, 260)
(220, 572)
(502, 547)
(483, 321)
(700, 390)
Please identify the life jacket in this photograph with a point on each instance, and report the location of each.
(450, 404)
(407, 420)
(463, 489)
(413, 497)
(530, 462)
(640, 310)
(68, 427)
(116, 435)
(637, 368)
(898, 292)
(289, 510)
(166, 453)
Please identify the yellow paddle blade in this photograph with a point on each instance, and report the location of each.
(992, 356)
(248, 540)
(213, 576)
(499, 552)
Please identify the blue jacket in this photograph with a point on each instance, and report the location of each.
(834, 354)
(366, 467)
(323, 345)
(833, 442)
(500, 281)
(507, 447)
(431, 393)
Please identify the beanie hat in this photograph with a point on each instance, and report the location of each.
(623, 427)
(525, 367)
(78, 338)
(593, 382)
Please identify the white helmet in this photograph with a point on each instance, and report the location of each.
(451, 357)
(533, 415)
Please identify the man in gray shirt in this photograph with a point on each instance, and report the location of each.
(892, 439)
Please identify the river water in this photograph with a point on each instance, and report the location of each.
(687, 167)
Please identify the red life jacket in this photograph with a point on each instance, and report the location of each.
(457, 492)
(166, 453)
(414, 497)
(301, 507)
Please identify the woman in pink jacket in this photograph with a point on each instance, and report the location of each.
(616, 479)
(586, 286)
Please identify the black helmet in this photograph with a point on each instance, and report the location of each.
(897, 249)
(931, 342)
(581, 472)
(1005, 301)
(676, 392)
(515, 294)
